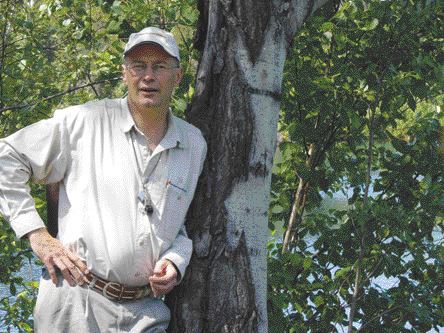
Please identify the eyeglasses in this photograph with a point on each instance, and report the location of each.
(140, 68)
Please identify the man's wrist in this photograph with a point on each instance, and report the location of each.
(36, 233)
(179, 276)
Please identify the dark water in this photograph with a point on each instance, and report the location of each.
(29, 272)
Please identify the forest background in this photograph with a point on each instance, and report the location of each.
(361, 117)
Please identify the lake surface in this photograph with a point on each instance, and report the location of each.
(29, 272)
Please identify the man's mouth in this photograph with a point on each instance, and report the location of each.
(149, 90)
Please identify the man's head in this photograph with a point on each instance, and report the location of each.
(151, 69)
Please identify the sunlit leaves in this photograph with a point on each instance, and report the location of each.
(369, 58)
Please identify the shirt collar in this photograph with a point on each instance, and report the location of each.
(126, 121)
(173, 137)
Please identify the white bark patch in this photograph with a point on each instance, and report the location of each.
(247, 206)
(267, 72)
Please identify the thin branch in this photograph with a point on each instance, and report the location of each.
(22, 106)
(92, 87)
(187, 45)
(20, 253)
(362, 247)
(3, 54)
(379, 316)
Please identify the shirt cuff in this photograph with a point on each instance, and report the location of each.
(26, 222)
(179, 262)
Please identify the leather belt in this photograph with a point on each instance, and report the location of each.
(116, 291)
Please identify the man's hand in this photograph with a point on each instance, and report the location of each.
(54, 255)
(164, 278)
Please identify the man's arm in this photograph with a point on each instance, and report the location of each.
(171, 266)
(41, 152)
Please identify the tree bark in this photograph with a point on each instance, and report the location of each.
(236, 105)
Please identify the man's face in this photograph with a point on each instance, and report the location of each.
(151, 75)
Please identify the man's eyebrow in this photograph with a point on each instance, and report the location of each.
(145, 62)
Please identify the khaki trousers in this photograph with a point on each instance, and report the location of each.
(64, 309)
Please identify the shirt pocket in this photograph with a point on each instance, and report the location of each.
(176, 205)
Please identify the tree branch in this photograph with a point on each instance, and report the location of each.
(379, 316)
(362, 248)
(91, 84)
(3, 54)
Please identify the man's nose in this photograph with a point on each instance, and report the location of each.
(148, 73)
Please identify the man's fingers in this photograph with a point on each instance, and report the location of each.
(163, 280)
(74, 272)
(65, 267)
(79, 263)
(71, 267)
(51, 271)
(160, 267)
(162, 289)
(168, 277)
(159, 280)
(162, 285)
(167, 287)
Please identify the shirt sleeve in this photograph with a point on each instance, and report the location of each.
(180, 251)
(38, 152)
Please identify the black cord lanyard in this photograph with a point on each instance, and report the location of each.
(144, 195)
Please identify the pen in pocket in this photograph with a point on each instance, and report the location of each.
(178, 187)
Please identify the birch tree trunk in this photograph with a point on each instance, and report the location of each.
(236, 105)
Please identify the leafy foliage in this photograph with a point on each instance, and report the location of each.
(358, 117)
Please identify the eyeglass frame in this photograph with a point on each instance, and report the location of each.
(157, 68)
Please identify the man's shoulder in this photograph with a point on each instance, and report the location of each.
(191, 132)
(90, 110)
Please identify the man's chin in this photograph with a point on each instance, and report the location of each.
(149, 104)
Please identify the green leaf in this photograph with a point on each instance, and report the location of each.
(340, 273)
(371, 25)
(307, 263)
(12, 289)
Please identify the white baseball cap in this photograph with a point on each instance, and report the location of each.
(153, 35)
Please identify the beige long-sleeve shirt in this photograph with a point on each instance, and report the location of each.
(101, 162)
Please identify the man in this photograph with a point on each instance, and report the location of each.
(127, 170)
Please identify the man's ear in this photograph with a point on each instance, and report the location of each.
(179, 75)
(124, 73)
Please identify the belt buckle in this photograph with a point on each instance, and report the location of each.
(109, 295)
